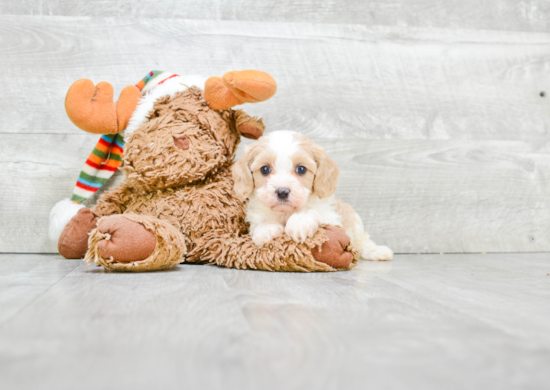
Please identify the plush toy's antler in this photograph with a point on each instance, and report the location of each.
(247, 86)
(92, 109)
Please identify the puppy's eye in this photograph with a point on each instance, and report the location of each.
(300, 170)
(265, 170)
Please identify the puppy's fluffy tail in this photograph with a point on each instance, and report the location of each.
(353, 225)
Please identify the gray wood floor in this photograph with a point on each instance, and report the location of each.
(419, 322)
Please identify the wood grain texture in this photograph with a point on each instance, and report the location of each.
(334, 81)
(476, 288)
(419, 322)
(23, 280)
(415, 196)
(510, 15)
(39, 175)
(441, 133)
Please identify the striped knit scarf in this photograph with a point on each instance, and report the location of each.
(99, 167)
(106, 157)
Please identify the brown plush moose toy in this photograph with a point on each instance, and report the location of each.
(177, 203)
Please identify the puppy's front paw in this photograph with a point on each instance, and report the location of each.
(301, 226)
(265, 233)
(377, 253)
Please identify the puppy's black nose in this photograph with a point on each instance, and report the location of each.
(282, 193)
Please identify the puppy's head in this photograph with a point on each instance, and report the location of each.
(283, 169)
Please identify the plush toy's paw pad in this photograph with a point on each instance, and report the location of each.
(250, 86)
(127, 241)
(73, 242)
(377, 253)
(333, 251)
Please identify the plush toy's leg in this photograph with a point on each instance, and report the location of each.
(73, 242)
(327, 250)
(131, 242)
(333, 251)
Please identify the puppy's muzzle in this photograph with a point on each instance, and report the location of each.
(282, 193)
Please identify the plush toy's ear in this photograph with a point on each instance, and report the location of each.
(242, 175)
(252, 132)
(91, 108)
(247, 86)
(248, 126)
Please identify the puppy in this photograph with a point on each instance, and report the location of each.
(290, 181)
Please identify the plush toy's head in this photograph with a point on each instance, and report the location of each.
(183, 142)
(178, 134)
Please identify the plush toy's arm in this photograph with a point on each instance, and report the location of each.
(113, 201)
(327, 250)
(248, 126)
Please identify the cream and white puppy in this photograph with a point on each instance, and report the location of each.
(290, 181)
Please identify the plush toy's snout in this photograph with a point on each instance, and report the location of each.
(181, 142)
(91, 108)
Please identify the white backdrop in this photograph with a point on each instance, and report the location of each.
(434, 110)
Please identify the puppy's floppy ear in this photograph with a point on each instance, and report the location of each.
(242, 175)
(326, 177)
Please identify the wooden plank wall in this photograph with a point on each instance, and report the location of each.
(438, 113)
